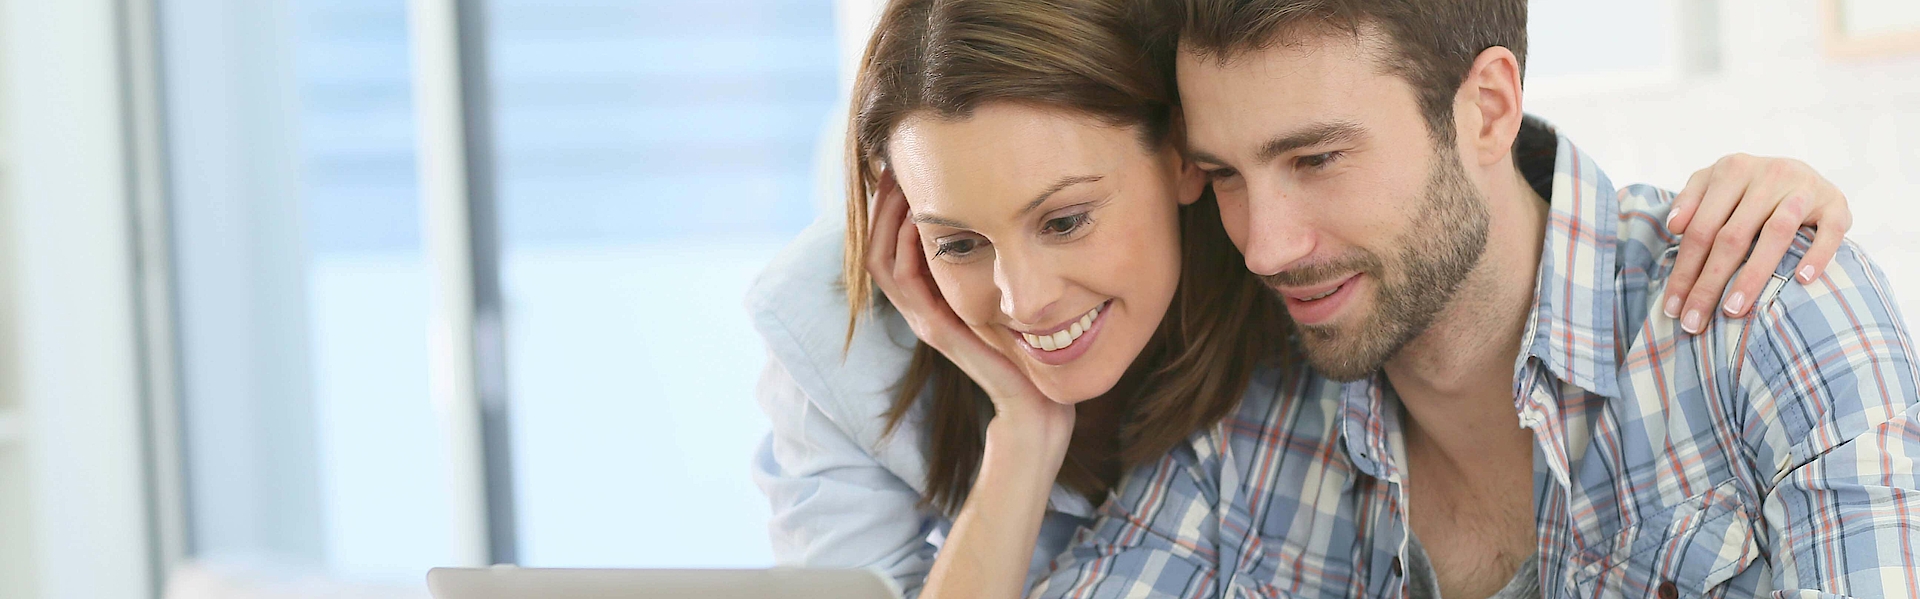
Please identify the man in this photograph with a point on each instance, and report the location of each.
(1501, 407)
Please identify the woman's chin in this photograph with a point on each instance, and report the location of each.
(1070, 390)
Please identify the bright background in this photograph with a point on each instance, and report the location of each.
(652, 156)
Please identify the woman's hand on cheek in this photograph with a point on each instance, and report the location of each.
(1744, 203)
(898, 264)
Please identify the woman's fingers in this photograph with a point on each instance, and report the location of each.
(1831, 219)
(1689, 199)
(1722, 194)
(1776, 237)
(1827, 235)
(1775, 198)
(888, 211)
(1729, 248)
(910, 277)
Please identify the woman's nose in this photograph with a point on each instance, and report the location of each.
(1029, 288)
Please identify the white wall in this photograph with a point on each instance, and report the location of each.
(1776, 93)
(72, 341)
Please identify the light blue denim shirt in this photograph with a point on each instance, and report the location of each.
(843, 494)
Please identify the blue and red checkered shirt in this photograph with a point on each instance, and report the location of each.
(1769, 454)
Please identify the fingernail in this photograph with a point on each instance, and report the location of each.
(1691, 323)
(1735, 302)
(1673, 306)
(1806, 274)
(1670, 216)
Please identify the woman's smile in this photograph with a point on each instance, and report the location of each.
(1061, 344)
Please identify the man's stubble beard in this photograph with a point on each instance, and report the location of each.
(1446, 241)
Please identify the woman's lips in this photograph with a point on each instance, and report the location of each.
(1075, 347)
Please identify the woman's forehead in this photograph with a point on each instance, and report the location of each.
(1008, 152)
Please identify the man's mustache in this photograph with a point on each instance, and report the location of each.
(1325, 271)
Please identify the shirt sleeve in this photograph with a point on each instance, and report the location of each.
(1830, 378)
(1157, 538)
(834, 505)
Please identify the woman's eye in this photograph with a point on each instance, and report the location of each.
(957, 249)
(1318, 161)
(1064, 225)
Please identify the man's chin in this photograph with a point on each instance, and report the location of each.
(1343, 362)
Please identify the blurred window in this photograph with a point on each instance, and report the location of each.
(652, 156)
(302, 292)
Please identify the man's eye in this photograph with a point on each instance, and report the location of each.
(1318, 161)
(1064, 225)
(1220, 174)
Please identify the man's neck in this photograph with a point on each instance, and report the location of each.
(1469, 464)
(1456, 378)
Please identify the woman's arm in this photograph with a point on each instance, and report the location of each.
(834, 505)
(987, 552)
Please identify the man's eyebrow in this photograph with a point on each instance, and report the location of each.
(1311, 135)
(1063, 183)
(1199, 156)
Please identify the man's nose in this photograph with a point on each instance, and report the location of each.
(1277, 233)
(1030, 286)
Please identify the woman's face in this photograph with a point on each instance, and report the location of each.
(1053, 236)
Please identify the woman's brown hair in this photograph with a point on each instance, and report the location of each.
(1092, 58)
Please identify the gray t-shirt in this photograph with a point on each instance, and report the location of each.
(1422, 584)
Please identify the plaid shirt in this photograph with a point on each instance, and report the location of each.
(1770, 454)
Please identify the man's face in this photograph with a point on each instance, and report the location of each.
(1330, 183)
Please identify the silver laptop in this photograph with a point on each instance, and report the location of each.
(508, 582)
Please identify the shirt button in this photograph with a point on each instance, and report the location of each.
(1668, 591)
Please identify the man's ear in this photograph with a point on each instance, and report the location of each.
(1190, 180)
(1487, 109)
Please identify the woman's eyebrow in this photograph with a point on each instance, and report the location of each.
(925, 218)
(1063, 183)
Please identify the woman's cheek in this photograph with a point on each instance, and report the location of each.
(961, 288)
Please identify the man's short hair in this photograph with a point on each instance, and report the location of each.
(1433, 42)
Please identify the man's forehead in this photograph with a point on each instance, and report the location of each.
(1364, 41)
(1276, 84)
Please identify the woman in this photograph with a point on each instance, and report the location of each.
(1018, 196)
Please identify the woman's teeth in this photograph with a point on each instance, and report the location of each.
(1062, 339)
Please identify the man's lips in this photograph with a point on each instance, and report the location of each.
(1315, 292)
(1319, 304)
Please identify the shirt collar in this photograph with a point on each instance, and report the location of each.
(1571, 324)
(1369, 422)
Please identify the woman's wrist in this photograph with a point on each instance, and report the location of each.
(1025, 450)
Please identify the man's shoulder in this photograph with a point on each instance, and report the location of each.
(1287, 406)
(1642, 235)
(1821, 361)
(1846, 319)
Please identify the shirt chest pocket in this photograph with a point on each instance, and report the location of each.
(1691, 550)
